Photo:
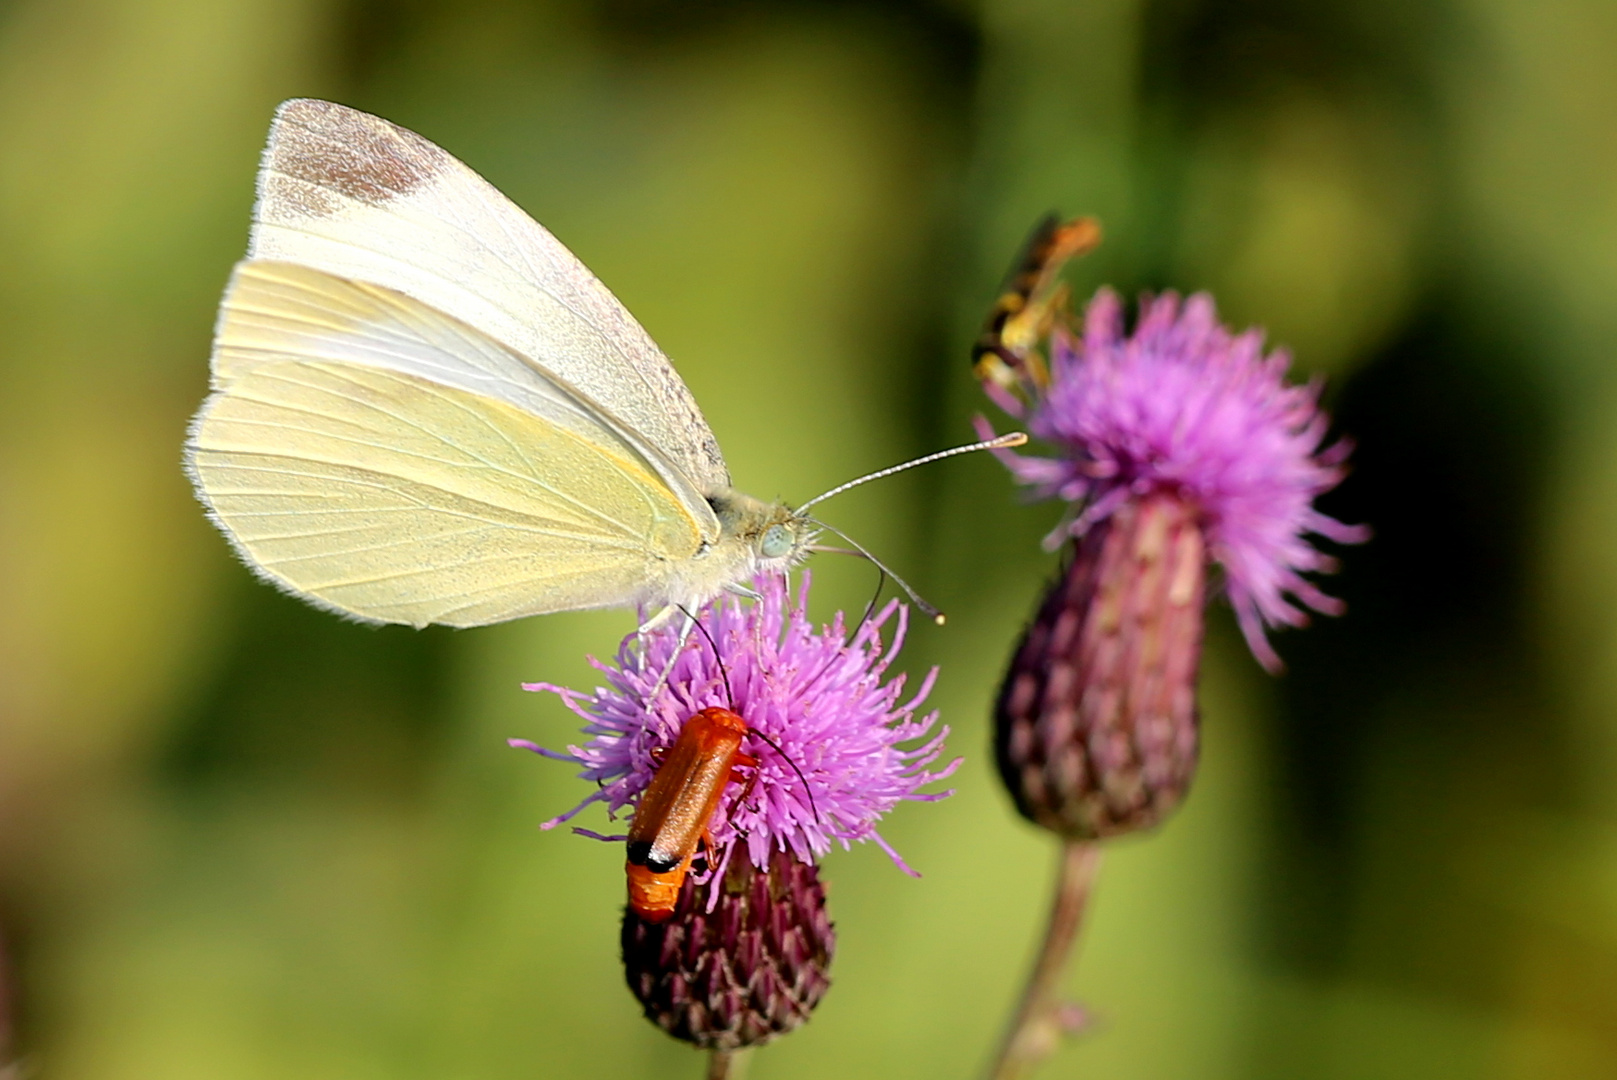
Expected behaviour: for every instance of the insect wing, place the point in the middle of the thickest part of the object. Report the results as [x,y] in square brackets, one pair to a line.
[367,452]
[680,801]
[356,196]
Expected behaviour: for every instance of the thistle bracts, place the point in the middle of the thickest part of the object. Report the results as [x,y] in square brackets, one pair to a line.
[738,968]
[1096,721]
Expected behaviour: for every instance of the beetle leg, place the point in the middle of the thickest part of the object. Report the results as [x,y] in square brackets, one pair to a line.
[744,760]
[747,784]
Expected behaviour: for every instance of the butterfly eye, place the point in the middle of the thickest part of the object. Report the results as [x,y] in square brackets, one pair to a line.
[776,542]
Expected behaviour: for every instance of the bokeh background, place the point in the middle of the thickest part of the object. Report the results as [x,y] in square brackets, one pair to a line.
[241,839]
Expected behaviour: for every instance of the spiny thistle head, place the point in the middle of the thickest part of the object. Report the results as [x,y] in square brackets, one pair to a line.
[1183,406]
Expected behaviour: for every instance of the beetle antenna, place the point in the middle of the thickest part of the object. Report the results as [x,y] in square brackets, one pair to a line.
[729,697]
[870,608]
[1014,438]
[808,789]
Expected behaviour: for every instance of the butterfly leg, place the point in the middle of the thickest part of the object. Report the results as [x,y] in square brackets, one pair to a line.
[684,635]
[662,615]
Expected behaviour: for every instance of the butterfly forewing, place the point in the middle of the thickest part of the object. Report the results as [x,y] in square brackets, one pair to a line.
[275,310]
[356,196]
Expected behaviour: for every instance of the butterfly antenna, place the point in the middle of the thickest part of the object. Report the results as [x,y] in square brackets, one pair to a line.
[729,697]
[808,789]
[870,608]
[930,611]
[1014,438]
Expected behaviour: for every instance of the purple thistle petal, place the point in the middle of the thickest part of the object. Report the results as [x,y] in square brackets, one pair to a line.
[898,860]
[562,819]
[524,744]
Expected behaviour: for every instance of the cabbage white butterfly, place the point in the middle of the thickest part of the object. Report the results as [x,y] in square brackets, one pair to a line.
[425,409]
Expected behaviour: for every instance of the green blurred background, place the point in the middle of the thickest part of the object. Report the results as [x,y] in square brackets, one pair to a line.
[241,839]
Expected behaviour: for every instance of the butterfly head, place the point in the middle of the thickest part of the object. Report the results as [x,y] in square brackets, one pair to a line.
[785,538]
[771,536]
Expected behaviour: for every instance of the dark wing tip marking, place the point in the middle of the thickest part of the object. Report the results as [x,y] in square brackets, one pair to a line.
[352,153]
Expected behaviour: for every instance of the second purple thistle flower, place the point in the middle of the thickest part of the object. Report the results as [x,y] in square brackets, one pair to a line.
[1177,445]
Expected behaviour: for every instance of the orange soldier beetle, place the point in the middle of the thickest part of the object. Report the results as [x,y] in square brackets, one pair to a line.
[684,794]
[1028,305]
[677,806]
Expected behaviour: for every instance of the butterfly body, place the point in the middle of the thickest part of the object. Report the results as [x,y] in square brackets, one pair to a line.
[426,410]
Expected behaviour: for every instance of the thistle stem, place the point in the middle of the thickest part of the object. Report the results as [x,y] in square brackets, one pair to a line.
[8,1068]
[728,1064]
[1043,1018]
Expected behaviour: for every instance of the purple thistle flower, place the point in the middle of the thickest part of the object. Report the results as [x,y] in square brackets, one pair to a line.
[838,762]
[1183,407]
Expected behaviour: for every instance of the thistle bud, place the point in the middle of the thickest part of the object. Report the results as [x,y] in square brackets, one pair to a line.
[1096,722]
[738,968]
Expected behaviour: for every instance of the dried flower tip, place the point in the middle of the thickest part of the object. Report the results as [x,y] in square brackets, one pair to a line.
[743,959]
[1096,723]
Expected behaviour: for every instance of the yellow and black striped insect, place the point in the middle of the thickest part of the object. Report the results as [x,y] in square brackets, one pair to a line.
[1006,352]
